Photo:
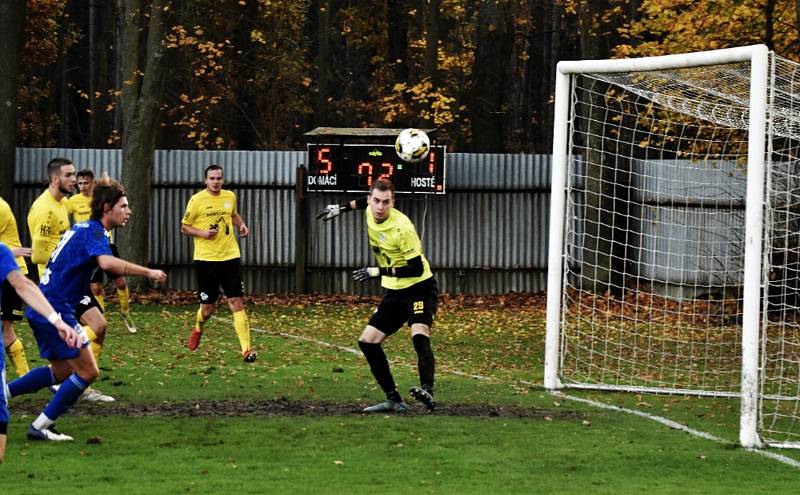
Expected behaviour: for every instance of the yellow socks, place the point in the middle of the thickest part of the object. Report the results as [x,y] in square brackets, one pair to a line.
[124,300]
[93,345]
[242,327]
[16,354]
[199,321]
[100,298]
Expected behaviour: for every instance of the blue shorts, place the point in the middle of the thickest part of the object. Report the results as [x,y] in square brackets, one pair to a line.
[51,345]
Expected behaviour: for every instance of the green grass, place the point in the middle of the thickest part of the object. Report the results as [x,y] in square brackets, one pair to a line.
[569,448]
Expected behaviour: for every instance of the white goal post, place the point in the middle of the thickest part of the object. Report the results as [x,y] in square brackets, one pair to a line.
[672,265]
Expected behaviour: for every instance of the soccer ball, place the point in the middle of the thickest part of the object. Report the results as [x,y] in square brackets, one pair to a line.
[412,145]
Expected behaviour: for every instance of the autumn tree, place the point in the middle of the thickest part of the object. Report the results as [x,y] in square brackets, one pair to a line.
[493,42]
[666,27]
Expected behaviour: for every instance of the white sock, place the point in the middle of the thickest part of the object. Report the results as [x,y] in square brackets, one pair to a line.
[43,422]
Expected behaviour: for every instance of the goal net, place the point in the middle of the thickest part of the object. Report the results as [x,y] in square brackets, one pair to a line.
[675,232]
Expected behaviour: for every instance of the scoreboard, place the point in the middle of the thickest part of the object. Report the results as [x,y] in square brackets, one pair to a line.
[345,167]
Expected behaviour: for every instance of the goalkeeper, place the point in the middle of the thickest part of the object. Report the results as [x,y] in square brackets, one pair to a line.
[411,293]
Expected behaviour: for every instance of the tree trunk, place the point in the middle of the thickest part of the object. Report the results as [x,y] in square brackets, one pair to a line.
[493,44]
[143,73]
[397,30]
[432,42]
[246,115]
[12,24]
[323,63]
[607,192]
[769,21]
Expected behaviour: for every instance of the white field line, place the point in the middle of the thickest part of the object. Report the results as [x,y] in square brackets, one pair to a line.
[658,419]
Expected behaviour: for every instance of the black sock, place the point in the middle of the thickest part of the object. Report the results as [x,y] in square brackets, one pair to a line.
[426,362]
[380,369]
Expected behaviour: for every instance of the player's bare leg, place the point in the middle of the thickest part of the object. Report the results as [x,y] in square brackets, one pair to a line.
[95,325]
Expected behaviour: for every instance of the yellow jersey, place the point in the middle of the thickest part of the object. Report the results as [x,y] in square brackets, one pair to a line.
[205,211]
[9,235]
[80,207]
[395,241]
[48,219]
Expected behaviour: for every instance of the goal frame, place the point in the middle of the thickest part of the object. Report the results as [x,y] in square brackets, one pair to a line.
[758,56]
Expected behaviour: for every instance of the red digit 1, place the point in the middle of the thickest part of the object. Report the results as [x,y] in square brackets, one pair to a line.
[432,162]
[366,167]
[388,170]
[322,158]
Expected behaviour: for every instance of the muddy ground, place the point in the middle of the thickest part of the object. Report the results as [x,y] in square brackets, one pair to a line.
[216,408]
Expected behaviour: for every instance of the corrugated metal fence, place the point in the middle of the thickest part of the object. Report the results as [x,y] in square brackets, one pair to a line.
[487,235]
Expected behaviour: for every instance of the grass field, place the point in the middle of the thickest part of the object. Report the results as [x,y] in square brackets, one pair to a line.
[205,422]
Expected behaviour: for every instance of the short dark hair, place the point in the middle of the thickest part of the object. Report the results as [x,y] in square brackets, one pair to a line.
[107,191]
[54,166]
[211,167]
[382,185]
[85,173]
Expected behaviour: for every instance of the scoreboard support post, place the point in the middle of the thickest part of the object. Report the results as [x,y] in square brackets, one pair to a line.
[301,232]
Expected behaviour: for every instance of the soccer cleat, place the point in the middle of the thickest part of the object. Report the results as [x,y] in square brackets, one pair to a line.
[387,406]
[249,356]
[54,388]
[424,396]
[126,319]
[94,395]
[50,433]
[194,339]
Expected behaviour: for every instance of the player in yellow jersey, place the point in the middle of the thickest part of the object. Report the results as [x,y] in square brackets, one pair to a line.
[48,219]
[11,303]
[211,218]
[411,297]
[80,206]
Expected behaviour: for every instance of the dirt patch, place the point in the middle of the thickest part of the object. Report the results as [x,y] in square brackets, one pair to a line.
[280,407]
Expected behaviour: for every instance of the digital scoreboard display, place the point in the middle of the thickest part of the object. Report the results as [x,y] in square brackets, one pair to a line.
[354,167]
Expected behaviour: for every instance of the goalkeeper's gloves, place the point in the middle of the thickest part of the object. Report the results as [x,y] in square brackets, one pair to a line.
[332,211]
[366,273]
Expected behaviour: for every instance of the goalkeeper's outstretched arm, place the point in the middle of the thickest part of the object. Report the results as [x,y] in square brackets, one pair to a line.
[333,211]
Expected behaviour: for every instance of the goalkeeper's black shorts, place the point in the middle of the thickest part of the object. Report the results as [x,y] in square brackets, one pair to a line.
[415,304]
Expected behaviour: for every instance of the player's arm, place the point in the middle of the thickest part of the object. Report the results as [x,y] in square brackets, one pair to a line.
[40,251]
[39,244]
[124,268]
[239,223]
[332,211]
[414,268]
[30,293]
[195,232]
[187,223]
